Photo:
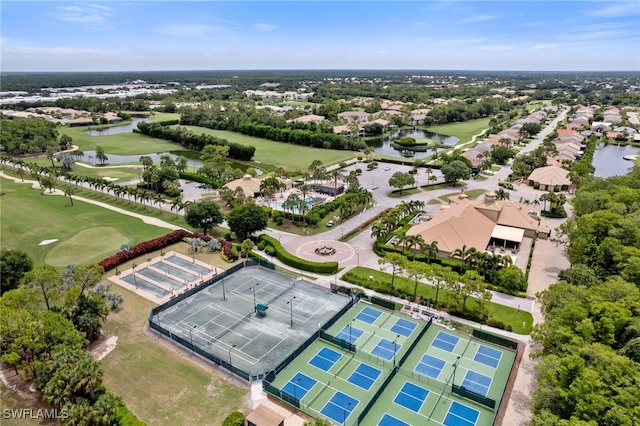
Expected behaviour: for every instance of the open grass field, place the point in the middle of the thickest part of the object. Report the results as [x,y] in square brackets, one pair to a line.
[85,233]
[521,321]
[464,130]
[158,382]
[454,196]
[281,154]
[121,144]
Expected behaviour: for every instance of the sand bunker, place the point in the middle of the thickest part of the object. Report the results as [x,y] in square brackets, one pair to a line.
[110,178]
[45,242]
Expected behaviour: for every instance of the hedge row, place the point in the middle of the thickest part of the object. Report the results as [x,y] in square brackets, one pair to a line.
[143,248]
[195,177]
[297,262]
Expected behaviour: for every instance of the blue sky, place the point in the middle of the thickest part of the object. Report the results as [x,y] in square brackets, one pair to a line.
[238,35]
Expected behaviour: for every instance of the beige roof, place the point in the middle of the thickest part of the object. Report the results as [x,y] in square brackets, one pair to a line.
[550,175]
[507,233]
[249,185]
[459,225]
[264,416]
[311,118]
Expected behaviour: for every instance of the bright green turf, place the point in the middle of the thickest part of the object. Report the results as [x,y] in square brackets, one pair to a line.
[463,130]
[29,217]
[282,154]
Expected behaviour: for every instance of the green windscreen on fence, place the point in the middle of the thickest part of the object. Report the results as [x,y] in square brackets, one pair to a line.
[465,393]
[389,304]
[495,339]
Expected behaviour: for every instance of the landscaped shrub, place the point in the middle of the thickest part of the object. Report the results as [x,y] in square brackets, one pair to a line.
[297,262]
[143,248]
[228,253]
[261,245]
[234,419]
[536,185]
[270,250]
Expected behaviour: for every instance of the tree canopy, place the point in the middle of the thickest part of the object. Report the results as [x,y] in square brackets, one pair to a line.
[246,219]
[203,214]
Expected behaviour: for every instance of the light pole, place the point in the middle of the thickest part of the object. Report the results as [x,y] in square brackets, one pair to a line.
[230,365]
[191,338]
[254,295]
[290,303]
[224,296]
[344,412]
[357,260]
[135,282]
[295,384]
[350,327]
[455,367]
[395,349]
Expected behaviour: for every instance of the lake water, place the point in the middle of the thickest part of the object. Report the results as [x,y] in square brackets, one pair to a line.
[608,161]
[125,128]
[383,145]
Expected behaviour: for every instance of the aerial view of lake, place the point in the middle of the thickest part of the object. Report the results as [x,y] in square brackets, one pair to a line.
[114,130]
[608,160]
[383,145]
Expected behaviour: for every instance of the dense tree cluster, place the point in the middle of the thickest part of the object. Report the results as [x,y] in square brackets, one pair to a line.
[47,324]
[590,341]
[27,136]
[195,142]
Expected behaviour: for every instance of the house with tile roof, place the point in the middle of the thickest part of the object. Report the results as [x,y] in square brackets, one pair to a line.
[549,177]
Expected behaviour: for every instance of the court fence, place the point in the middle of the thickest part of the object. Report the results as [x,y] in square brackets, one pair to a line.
[338,342]
[466,393]
[408,351]
[492,338]
[389,304]
[249,376]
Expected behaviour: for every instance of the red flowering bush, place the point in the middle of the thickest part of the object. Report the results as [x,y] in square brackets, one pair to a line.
[144,248]
[228,253]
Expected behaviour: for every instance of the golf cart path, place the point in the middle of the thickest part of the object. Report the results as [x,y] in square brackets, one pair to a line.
[146,219]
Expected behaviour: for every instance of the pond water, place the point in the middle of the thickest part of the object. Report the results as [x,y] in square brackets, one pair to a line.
[193,159]
[608,161]
[125,128]
[383,145]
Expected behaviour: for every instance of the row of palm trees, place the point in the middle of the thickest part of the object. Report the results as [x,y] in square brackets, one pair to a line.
[96,184]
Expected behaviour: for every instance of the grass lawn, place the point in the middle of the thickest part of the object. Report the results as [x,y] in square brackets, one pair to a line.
[165,116]
[121,144]
[472,194]
[463,130]
[404,193]
[286,155]
[158,381]
[85,233]
[520,321]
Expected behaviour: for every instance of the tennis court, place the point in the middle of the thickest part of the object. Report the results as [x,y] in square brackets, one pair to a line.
[223,319]
[488,356]
[430,366]
[299,385]
[164,276]
[419,392]
[461,415]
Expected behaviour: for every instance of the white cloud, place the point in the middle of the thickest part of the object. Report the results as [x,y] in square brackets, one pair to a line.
[481,18]
[497,47]
[544,46]
[192,30]
[84,14]
[260,26]
[616,10]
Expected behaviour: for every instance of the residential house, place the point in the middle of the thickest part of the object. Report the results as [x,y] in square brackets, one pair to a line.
[550,177]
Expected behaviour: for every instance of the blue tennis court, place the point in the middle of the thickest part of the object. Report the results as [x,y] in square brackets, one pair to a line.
[368,315]
[389,420]
[339,407]
[430,366]
[477,383]
[298,386]
[488,356]
[364,376]
[445,341]
[411,397]
[386,349]
[404,327]
[325,359]
[349,334]
[461,415]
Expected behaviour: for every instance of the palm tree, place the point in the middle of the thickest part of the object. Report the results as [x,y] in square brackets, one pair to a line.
[379,230]
[414,243]
[501,194]
[69,191]
[431,250]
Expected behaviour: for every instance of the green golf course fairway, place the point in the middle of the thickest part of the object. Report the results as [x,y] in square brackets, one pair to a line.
[86,233]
